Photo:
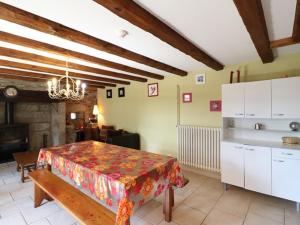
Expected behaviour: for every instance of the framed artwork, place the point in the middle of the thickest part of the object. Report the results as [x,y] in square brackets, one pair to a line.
[187,97]
[109,93]
[153,90]
[200,78]
[121,92]
[215,105]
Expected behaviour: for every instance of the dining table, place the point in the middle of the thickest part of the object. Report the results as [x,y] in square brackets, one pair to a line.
[120,178]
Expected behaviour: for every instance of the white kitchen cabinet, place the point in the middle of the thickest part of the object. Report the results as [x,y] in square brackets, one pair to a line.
[285,174]
[232,164]
[258,169]
[285,98]
[233,102]
[258,99]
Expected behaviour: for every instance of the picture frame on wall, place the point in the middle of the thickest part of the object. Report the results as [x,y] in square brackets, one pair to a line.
[153,90]
[215,105]
[200,79]
[109,93]
[121,92]
[187,97]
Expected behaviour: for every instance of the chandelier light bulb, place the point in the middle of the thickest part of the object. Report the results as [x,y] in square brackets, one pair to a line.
[83,86]
[78,82]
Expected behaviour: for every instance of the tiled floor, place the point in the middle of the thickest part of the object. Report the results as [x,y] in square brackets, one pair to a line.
[202,201]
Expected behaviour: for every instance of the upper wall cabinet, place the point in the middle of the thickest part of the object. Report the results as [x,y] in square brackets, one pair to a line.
[258,99]
[233,102]
[285,98]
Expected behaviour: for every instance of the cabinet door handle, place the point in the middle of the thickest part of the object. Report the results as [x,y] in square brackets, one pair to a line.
[239,114]
[284,153]
[238,147]
[251,114]
[280,161]
[278,114]
[250,149]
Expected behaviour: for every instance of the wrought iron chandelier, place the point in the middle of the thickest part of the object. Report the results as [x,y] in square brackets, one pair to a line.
[66,88]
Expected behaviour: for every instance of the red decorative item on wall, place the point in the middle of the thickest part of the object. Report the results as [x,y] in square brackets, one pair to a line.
[187,97]
[215,106]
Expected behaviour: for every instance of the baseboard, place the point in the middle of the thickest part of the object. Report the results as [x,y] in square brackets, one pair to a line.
[215,175]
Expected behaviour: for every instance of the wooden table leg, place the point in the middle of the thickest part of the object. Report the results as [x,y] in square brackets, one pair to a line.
[18,167]
[22,174]
[49,167]
[167,205]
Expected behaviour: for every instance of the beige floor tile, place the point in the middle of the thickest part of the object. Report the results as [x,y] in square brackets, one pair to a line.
[292,217]
[148,207]
[15,219]
[263,209]
[155,216]
[166,223]
[253,219]
[217,217]
[61,217]
[201,202]
[234,203]
[185,215]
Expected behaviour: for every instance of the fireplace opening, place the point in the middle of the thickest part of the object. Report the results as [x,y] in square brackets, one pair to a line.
[14,137]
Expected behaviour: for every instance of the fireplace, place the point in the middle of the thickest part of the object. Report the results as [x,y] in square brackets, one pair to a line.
[14,137]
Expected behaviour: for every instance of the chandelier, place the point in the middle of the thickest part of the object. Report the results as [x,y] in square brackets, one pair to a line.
[66,88]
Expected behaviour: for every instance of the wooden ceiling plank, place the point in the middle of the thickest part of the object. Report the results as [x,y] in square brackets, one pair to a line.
[25,78]
[30,43]
[27,19]
[137,15]
[253,17]
[296,28]
[283,42]
[8,73]
[55,62]
[36,75]
[26,66]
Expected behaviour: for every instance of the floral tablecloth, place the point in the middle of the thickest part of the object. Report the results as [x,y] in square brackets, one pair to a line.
[119,177]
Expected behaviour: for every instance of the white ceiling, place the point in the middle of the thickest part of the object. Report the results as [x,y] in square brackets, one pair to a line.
[213,25]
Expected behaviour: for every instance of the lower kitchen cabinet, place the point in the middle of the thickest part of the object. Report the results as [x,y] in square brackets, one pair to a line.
[286,174]
[257,169]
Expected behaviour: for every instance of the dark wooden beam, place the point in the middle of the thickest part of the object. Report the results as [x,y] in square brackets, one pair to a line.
[296,29]
[55,62]
[253,17]
[90,88]
[283,42]
[29,43]
[40,76]
[27,19]
[31,67]
[29,96]
[137,15]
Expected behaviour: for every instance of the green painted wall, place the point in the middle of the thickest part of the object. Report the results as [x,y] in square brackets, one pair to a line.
[155,118]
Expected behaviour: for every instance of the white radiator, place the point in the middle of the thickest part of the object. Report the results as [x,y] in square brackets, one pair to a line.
[199,147]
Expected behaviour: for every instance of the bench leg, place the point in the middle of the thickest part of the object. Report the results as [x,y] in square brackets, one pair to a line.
[39,196]
[49,168]
[167,205]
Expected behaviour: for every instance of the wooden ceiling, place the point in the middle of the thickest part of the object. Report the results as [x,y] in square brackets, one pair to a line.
[113,73]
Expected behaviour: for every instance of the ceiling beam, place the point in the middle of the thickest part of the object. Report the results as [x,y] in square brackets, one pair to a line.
[137,15]
[41,46]
[26,66]
[27,19]
[283,42]
[55,62]
[296,29]
[24,78]
[253,17]
[33,75]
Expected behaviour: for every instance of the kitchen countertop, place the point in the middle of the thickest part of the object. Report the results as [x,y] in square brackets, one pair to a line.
[271,144]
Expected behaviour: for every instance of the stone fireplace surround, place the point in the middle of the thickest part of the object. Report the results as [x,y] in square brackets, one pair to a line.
[43,118]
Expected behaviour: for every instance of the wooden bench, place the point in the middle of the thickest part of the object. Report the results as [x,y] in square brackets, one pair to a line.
[83,208]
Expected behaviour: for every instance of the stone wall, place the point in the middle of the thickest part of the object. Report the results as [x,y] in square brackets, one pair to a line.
[43,118]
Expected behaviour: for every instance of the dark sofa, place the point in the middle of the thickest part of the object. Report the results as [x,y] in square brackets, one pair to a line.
[115,137]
